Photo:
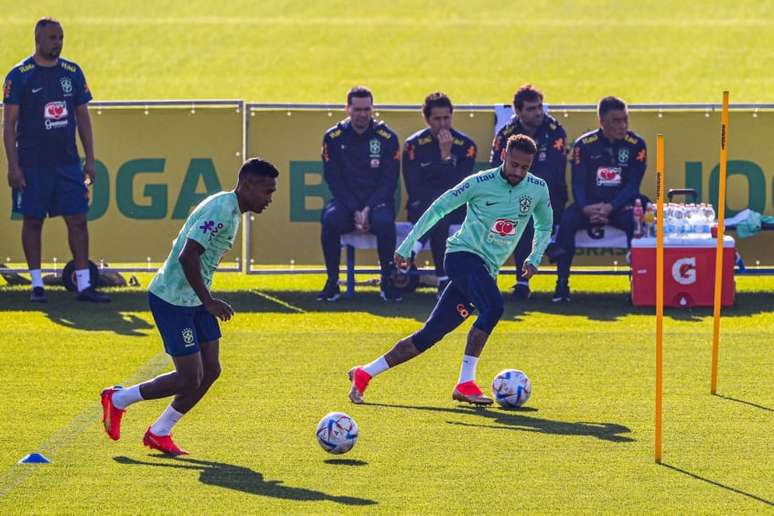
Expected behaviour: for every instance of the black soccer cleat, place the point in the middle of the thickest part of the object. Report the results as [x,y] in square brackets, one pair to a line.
[388,290]
[562,292]
[330,291]
[521,291]
[91,295]
[38,295]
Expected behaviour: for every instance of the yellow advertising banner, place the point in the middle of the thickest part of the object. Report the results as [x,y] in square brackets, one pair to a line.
[291,138]
[154,165]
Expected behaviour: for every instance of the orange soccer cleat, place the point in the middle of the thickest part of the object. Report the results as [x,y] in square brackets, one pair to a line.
[469,392]
[111,416]
[359,379]
[162,443]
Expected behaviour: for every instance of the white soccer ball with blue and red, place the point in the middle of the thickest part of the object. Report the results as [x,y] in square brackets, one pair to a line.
[511,388]
[337,432]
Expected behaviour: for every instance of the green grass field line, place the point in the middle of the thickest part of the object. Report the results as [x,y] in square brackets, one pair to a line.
[583,443]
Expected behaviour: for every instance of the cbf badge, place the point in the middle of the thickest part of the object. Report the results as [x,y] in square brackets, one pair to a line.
[623,155]
[375,148]
[67,85]
[525,202]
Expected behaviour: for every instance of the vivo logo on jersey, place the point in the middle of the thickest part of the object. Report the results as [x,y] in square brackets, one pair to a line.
[608,176]
[458,191]
[504,227]
[55,114]
[684,270]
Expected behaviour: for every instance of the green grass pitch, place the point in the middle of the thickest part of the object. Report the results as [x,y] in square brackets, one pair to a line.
[583,443]
[477,51]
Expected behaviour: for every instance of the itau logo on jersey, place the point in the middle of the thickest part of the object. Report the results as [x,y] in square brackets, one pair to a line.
[504,227]
[55,114]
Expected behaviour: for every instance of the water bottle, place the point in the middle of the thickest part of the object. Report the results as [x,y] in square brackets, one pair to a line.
[649,219]
[679,214]
[638,219]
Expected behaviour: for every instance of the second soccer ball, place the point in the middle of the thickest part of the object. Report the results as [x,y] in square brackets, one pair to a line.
[511,388]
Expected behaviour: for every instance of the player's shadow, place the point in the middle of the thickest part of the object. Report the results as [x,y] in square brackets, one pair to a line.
[718,484]
[240,478]
[518,420]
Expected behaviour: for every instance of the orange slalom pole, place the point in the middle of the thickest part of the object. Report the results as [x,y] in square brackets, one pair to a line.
[659,288]
[719,249]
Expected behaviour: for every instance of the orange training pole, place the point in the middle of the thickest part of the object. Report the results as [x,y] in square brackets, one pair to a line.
[719,252]
[659,287]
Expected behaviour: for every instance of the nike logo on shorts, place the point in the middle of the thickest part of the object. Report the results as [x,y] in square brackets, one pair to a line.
[35,90]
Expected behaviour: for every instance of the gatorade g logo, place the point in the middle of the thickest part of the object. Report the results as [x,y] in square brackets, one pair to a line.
[684,270]
[504,227]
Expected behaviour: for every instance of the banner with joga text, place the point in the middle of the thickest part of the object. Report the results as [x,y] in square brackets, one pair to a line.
[291,138]
[154,165]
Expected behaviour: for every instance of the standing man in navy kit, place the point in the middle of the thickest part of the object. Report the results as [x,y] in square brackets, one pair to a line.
[607,169]
[434,160]
[361,163]
[550,164]
[45,98]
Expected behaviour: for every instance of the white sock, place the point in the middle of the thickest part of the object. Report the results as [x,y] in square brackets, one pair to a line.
[122,398]
[378,366]
[468,369]
[83,277]
[165,422]
[37,278]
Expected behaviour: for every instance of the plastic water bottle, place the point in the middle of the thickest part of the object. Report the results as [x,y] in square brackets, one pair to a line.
[669,220]
[679,215]
[638,219]
[650,219]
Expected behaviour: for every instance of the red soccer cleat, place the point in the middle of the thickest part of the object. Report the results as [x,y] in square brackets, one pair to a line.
[162,443]
[469,392]
[359,379]
[111,416]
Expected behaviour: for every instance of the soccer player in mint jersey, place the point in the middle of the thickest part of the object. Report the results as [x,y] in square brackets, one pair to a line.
[499,202]
[185,311]
[45,99]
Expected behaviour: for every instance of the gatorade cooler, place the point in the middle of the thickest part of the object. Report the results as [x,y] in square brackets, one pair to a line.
[689,271]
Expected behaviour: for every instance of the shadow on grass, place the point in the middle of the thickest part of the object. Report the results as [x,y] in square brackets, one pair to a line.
[518,420]
[118,317]
[749,403]
[718,484]
[240,478]
[346,462]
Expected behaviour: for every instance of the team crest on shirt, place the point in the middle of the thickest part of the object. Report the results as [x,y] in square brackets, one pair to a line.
[525,203]
[623,155]
[67,85]
[374,147]
[188,336]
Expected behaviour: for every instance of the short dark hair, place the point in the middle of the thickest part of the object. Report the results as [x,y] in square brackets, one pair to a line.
[521,142]
[360,92]
[608,104]
[257,167]
[437,99]
[44,22]
[526,93]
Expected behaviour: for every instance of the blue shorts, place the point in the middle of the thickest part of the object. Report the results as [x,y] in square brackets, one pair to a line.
[182,328]
[471,287]
[51,191]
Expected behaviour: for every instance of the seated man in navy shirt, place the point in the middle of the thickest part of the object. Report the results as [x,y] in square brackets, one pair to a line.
[607,169]
[434,160]
[45,97]
[361,163]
